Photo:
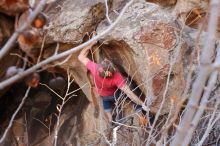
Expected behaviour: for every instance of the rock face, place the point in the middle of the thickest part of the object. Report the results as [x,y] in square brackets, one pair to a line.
[164,3]
[141,47]
[148,47]
[152,35]
[71,20]
[12,7]
[6,28]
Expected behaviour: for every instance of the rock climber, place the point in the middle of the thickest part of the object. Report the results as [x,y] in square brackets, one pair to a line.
[107,81]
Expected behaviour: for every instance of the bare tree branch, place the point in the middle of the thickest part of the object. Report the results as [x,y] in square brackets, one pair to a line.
[60,107]
[106,13]
[114,137]
[204,101]
[14,115]
[173,61]
[201,79]
[200,111]
[211,123]
[13,79]
[13,38]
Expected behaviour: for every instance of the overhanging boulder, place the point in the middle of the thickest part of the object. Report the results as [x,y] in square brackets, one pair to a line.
[153,37]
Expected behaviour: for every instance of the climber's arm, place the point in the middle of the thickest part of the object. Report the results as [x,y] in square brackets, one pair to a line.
[84,53]
[131,95]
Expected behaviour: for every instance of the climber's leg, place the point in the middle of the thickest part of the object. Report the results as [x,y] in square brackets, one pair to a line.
[108,102]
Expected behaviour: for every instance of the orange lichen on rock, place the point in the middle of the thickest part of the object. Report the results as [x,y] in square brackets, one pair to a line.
[173,99]
[143,121]
[154,59]
[158,34]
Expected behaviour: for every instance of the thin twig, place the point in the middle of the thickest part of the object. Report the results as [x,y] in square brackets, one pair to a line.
[14,115]
[51,90]
[41,50]
[26,128]
[106,12]
[114,137]
[211,123]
